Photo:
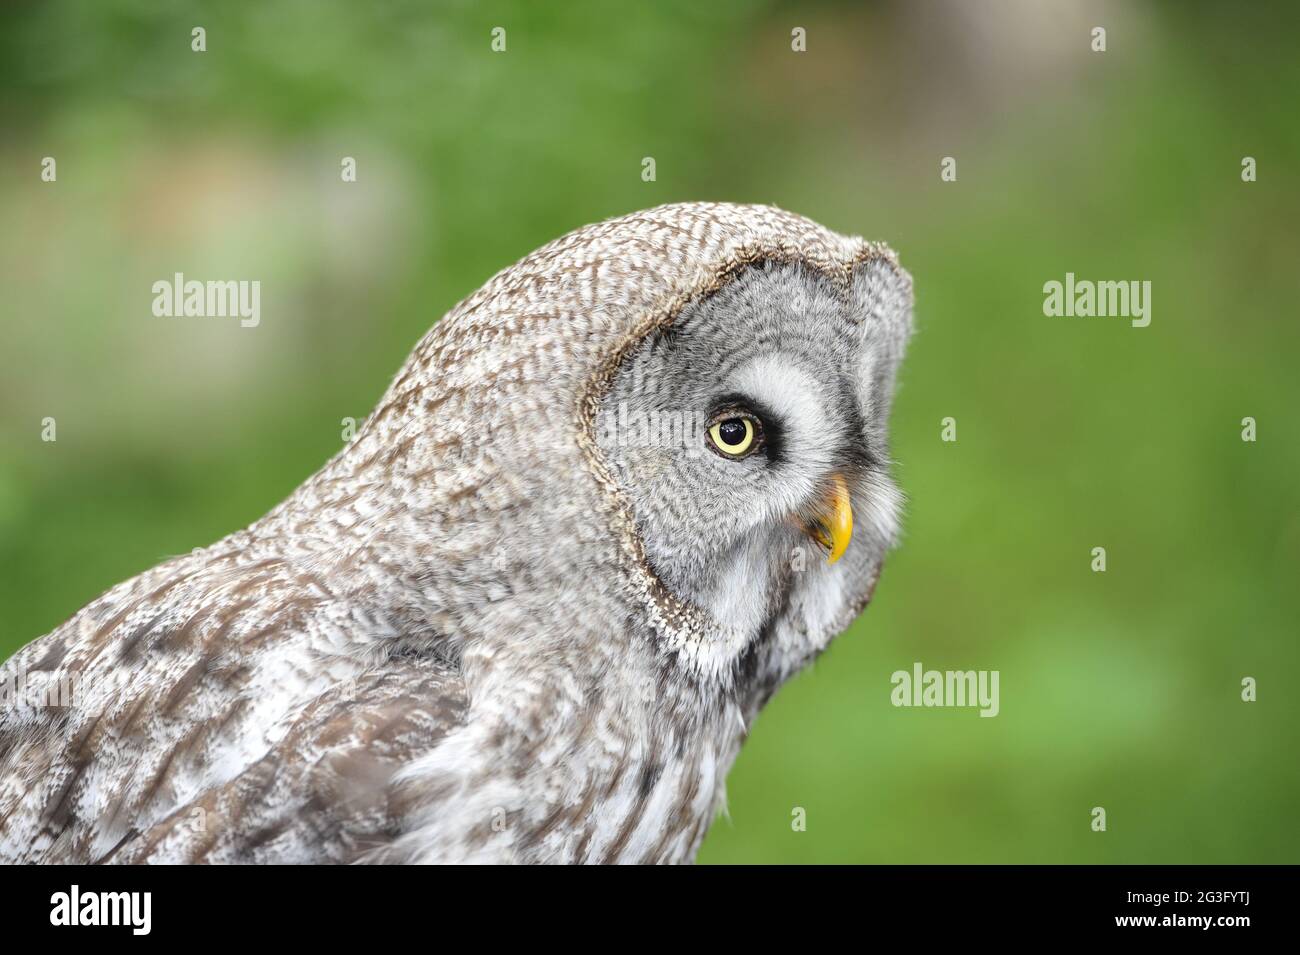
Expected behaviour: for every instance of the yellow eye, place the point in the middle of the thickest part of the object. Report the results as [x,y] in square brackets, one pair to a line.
[734,437]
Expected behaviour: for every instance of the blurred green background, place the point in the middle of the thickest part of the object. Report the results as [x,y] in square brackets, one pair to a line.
[1118,689]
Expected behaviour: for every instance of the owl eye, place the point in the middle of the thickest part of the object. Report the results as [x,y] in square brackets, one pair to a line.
[736,435]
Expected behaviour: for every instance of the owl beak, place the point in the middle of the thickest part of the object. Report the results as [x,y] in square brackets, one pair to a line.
[832,521]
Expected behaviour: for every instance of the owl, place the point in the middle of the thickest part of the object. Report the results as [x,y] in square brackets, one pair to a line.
[609,505]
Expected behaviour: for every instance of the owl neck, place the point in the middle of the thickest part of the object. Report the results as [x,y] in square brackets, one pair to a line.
[593,749]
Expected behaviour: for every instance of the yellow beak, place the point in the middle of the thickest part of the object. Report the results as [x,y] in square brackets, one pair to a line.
[832,523]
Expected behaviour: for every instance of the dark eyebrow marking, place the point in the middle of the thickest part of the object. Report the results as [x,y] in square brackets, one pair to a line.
[859,455]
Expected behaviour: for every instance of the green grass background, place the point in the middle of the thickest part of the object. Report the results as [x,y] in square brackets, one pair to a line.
[1119,690]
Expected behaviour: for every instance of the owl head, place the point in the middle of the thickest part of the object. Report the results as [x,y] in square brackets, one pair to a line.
[656,442]
[748,438]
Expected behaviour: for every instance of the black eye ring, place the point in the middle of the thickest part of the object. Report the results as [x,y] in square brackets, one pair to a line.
[735,434]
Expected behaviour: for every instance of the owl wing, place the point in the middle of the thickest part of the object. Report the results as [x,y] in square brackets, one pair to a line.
[194,716]
[327,791]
